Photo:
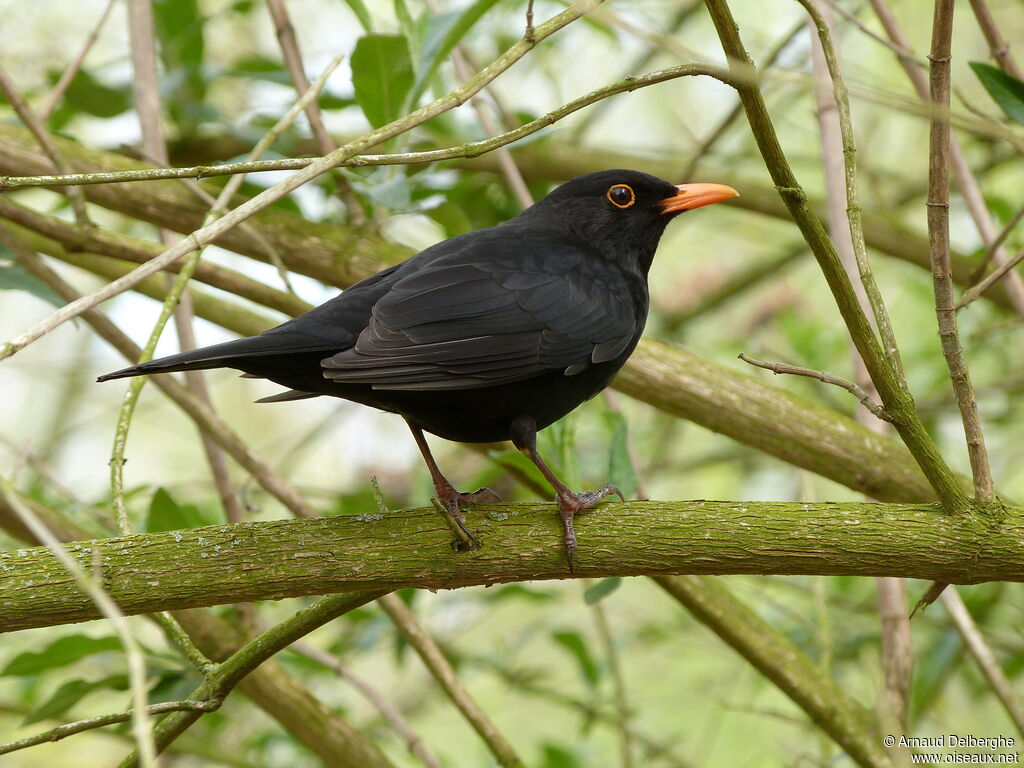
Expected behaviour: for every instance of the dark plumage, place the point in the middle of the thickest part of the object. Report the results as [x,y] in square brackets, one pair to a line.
[488,336]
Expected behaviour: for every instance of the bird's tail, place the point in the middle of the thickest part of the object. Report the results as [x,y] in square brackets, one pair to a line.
[215,356]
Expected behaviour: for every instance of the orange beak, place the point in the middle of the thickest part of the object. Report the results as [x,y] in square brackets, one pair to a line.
[689,196]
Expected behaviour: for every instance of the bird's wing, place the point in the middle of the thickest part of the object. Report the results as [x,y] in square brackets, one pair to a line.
[463,324]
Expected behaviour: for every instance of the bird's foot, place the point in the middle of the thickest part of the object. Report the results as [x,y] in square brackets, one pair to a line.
[570,503]
[452,501]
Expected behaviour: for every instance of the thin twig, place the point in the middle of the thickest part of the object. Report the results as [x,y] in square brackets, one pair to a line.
[896,651]
[325,144]
[853,208]
[831,130]
[720,130]
[982,653]
[228,674]
[938,240]
[990,252]
[69,74]
[35,125]
[449,681]
[92,586]
[1000,48]
[827,378]
[89,723]
[468,150]
[975,292]
[395,718]
[264,144]
[206,234]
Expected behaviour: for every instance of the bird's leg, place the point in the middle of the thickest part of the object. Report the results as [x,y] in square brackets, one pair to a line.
[450,498]
[524,437]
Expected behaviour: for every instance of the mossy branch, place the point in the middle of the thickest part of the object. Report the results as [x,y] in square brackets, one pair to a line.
[522,542]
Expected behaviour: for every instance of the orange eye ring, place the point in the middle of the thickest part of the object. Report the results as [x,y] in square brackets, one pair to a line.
[621,196]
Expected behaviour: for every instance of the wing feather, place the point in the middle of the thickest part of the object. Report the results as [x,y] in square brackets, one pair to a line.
[457,325]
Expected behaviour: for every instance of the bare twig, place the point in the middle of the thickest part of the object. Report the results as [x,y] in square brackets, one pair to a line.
[91,585]
[69,74]
[35,125]
[990,252]
[449,681]
[1000,48]
[325,144]
[640,62]
[897,651]
[720,130]
[984,657]
[827,378]
[853,209]
[395,718]
[975,292]
[229,673]
[938,238]
[468,150]
[89,723]
[831,130]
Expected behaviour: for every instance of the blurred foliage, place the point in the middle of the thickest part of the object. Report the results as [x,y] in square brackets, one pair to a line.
[529,653]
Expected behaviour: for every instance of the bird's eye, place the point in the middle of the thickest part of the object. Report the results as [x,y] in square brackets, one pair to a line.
[621,196]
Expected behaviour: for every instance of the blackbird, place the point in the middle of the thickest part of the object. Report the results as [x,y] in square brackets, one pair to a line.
[488,336]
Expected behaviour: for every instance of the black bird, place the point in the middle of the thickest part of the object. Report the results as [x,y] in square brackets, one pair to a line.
[491,335]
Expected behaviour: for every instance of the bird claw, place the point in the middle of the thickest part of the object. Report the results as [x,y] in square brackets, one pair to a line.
[570,503]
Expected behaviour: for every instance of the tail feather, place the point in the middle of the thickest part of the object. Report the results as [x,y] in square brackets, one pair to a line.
[214,356]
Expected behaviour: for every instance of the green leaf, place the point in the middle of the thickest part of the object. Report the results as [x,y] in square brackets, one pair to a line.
[452,217]
[13,277]
[261,68]
[556,756]
[87,94]
[444,32]
[59,653]
[620,467]
[573,642]
[381,76]
[69,694]
[1006,90]
[359,9]
[510,591]
[166,514]
[601,590]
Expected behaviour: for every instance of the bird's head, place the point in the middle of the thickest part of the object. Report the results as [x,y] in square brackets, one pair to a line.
[622,213]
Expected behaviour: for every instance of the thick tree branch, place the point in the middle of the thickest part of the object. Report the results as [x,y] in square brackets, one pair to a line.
[412,548]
